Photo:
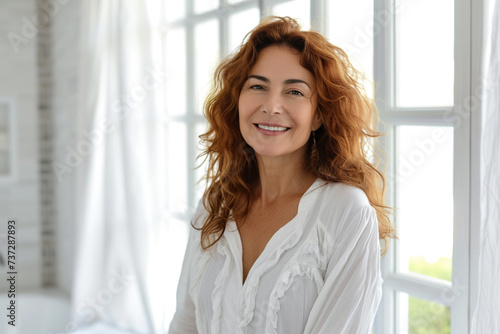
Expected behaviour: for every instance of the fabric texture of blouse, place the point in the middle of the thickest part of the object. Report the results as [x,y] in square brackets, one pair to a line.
[319,273]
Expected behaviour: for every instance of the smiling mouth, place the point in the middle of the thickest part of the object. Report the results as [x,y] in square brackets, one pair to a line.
[271,128]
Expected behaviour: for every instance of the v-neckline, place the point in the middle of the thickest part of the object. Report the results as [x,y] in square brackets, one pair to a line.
[277,238]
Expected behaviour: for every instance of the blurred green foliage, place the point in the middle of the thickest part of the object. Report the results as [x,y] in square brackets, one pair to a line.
[426,317]
[440,269]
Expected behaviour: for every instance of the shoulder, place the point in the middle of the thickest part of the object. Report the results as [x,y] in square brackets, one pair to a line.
[344,197]
[340,205]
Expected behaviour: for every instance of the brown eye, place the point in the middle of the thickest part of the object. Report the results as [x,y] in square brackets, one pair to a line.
[296,92]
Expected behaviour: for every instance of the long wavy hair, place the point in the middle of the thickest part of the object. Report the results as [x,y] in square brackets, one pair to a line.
[343,142]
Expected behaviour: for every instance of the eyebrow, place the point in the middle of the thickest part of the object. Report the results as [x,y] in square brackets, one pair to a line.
[287,82]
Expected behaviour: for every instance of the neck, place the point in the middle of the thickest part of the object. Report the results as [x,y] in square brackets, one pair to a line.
[282,177]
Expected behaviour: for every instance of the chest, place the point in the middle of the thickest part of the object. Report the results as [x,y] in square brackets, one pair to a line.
[259,227]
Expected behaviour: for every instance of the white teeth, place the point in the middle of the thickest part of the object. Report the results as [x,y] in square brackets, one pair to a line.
[271,128]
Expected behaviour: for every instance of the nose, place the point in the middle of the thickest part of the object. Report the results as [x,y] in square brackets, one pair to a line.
[273,103]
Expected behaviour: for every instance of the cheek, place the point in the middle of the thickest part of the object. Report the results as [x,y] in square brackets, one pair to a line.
[241,105]
[244,108]
[242,115]
[240,110]
[304,117]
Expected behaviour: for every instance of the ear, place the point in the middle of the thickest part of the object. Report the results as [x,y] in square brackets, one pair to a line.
[316,123]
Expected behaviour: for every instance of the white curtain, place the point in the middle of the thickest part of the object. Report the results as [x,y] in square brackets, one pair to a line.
[486,318]
[120,167]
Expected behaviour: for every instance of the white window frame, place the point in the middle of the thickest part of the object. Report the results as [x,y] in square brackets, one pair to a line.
[460,294]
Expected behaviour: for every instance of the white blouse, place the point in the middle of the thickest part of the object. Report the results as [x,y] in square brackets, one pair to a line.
[319,273]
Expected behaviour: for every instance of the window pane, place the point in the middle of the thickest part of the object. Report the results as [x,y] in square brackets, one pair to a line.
[175,63]
[240,24]
[424,200]
[202,6]
[297,9]
[350,26]
[419,316]
[424,53]
[206,42]
[175,10]
[177,167]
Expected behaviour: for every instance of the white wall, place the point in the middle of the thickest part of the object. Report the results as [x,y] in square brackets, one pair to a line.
[19,199]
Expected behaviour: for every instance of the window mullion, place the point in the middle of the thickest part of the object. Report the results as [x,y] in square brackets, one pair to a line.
[478,17]
[318,18]
[265,8]
[422,288]
[223,31]
[384,322]
[461,182]
[428,116]
[191,105]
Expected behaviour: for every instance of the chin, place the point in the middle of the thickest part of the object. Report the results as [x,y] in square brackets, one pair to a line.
[266,150]
[277,152]
[268,153]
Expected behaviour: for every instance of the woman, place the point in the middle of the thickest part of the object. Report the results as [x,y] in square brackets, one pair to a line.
[286,238]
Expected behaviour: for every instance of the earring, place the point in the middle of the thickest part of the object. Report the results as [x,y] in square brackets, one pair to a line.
[314,139]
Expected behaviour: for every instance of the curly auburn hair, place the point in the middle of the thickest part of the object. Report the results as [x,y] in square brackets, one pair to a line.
[342,142]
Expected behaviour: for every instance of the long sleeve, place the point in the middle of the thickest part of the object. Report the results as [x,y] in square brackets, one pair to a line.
[184,320]
[350,296]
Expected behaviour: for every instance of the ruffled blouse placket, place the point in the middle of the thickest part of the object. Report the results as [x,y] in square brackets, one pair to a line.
[284,239]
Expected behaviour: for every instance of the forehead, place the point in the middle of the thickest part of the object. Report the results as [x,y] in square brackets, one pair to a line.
[281,62]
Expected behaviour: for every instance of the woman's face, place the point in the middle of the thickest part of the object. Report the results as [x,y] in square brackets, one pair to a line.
[277,105]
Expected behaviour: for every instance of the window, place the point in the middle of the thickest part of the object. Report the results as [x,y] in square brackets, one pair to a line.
[422,80]
[423,76]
